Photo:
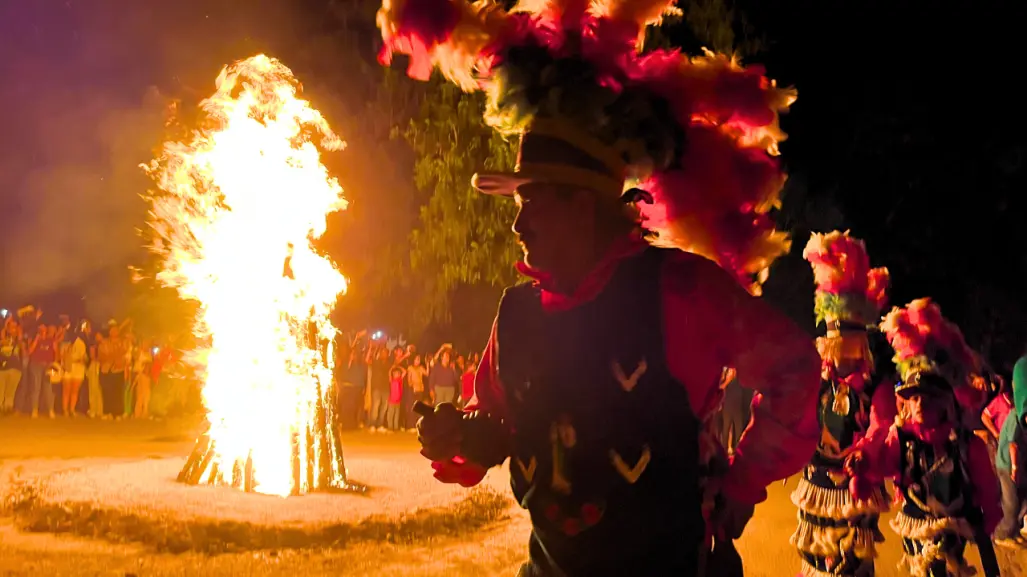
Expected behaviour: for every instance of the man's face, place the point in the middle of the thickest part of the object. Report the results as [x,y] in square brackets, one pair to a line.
[552,224]
[925,410]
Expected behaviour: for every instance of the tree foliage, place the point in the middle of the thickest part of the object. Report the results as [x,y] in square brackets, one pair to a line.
[463,237]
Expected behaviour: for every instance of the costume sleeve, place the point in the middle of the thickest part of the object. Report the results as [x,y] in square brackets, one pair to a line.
[488,391]
[489,397]
[880,461]
[881,458]
[987,492]
[883,411]
[771,355]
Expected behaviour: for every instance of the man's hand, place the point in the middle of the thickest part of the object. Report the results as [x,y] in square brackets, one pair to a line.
[440,432]
[853,462]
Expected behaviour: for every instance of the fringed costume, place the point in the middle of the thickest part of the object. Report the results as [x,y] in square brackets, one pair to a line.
[602,391]
[836,535]
[946,486]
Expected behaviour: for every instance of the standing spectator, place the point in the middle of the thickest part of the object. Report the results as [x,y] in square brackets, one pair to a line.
[380,363]
[131,351]
[1010,459]
[113,352]
[356,375]
[141,379]
[10,363]
[443,379]
[93,371]
[395,397]
[352,377]
[416,374]
[42,357]
[74,355]
[159,394]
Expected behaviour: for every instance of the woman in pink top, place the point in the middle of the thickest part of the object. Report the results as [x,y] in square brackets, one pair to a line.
[995,413]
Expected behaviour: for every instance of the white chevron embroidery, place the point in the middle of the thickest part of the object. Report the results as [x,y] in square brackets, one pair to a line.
[633,473]
[529,471]
[629,383]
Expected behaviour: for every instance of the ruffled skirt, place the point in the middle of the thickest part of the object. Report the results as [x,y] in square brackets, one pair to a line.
[933,547]
[836,535]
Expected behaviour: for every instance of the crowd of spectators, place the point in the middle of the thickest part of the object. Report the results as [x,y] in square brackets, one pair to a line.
[50,367]
[378,381]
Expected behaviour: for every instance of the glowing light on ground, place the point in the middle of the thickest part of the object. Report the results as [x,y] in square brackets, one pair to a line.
[240,202]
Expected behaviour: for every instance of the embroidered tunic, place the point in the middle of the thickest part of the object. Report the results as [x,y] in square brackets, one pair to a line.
[836,535]
[605,444]
[936,503]
[938,475]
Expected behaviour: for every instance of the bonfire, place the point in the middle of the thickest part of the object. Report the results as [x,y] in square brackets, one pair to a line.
[237,206]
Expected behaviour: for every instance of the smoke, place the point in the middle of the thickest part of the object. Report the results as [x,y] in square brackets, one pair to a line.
[76,227]
[86,86]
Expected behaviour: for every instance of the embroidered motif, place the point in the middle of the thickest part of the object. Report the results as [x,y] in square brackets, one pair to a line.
[527,471]
[631,474]
[572,523]
[563,438]
[629,383]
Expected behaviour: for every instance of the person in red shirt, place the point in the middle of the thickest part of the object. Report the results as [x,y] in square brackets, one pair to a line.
[599,370]
[467,383]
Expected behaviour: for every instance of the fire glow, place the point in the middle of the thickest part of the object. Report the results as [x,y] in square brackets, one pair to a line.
[240,202]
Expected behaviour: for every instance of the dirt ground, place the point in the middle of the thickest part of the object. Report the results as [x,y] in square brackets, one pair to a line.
[32,449]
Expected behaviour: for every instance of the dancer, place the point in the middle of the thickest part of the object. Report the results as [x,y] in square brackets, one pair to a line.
[949,492]
[836,536]
[598,372]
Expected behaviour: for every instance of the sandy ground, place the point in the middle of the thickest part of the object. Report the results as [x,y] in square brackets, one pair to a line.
[84,458]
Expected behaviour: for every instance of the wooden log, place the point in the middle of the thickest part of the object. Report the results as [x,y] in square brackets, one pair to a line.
[311,454]
[324,458]
[340,459]
[194,459]
[296,470]
[324,446]
[197,473]
[249,483]
[237,475]
[215,472]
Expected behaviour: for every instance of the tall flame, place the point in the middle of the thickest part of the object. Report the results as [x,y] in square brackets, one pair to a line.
[239,205]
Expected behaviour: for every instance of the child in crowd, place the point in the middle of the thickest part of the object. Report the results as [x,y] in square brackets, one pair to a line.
[395,398]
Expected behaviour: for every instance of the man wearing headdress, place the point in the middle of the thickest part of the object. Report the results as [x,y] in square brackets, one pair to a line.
[836,535]
[599,370]
[942,472]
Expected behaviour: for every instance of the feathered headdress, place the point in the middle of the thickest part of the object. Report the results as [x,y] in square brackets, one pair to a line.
[848,290]
[697,136]
[930,352]
[849,295]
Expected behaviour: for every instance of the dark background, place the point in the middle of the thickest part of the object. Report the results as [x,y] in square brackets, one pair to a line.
[908,131]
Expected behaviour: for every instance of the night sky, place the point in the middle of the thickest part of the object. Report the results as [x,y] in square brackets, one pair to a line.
[906,131]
